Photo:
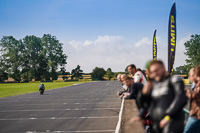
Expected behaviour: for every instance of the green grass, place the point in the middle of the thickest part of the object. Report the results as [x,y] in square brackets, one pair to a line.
[13,89]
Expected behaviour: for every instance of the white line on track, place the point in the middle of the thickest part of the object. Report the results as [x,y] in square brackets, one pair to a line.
[59,118]
[75,109]
[120,118]
[60,103]
[57,99]
[86,131]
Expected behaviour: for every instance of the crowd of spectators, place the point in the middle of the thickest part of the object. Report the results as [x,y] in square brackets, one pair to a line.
[161,97]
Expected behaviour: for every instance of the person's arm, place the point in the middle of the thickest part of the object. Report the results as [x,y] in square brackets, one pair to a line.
[134,89]
[142,112]
[130,94]
[143,103]
[144,99]
[180,98]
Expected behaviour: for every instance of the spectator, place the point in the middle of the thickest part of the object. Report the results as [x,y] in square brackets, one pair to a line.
[165,99]
[193,123]
[137,76]
[134,89]
[127,82]
[132,70]
[119,77]
[122,78]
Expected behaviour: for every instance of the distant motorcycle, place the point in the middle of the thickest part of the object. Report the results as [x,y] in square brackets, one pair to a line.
[41,88]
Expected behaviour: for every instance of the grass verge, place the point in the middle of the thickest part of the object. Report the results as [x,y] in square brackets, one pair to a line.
[12,89]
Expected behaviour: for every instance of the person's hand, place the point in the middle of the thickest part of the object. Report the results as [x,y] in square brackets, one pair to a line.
[121,96]
[163,122]
[147,87]
[134,119]
[127,94]
[188,94]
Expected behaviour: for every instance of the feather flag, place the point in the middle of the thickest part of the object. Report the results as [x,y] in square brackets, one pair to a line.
[154,46]
[172,39]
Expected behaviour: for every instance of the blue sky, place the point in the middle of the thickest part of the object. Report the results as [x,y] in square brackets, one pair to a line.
[103,33]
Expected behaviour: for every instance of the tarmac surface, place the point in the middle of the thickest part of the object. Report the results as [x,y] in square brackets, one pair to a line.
[89,108]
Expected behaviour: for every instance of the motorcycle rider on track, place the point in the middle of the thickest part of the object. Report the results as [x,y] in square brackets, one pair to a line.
[41,88]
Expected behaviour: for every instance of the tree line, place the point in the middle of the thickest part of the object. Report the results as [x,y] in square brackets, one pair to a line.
[97,73]
[40,58]
[31,58]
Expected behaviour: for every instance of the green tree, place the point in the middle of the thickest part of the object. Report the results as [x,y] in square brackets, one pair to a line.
[32,57]
[109,73]
[193,51]
[11,56]
[53,50]
[42,57]
[98,73]
[62,70]
[3,73]
[77,72]
[182,70]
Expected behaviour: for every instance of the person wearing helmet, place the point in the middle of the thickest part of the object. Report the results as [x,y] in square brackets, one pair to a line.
[41,88]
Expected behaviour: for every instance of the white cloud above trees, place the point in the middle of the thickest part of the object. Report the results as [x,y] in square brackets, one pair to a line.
[116,53]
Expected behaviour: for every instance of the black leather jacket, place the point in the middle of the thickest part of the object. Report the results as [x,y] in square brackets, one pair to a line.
[166,98]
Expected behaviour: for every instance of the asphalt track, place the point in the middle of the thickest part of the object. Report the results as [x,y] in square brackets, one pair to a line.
[88,108]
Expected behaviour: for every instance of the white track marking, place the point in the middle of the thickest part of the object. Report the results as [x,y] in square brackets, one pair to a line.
[86,131]
[46,104]
[60,109]
[57,99]
[59,118]
[120,118]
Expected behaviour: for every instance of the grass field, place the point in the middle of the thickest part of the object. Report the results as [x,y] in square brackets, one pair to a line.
[12,89]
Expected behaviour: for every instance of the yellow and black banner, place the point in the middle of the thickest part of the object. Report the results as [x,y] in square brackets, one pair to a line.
[172,39]
[154,46]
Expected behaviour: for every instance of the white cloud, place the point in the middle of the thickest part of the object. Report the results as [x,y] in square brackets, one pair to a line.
[108,39]
[101,40]
[180,44]
[76,44]
[115,52]
[88,42]
[180,49]
[143,41]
